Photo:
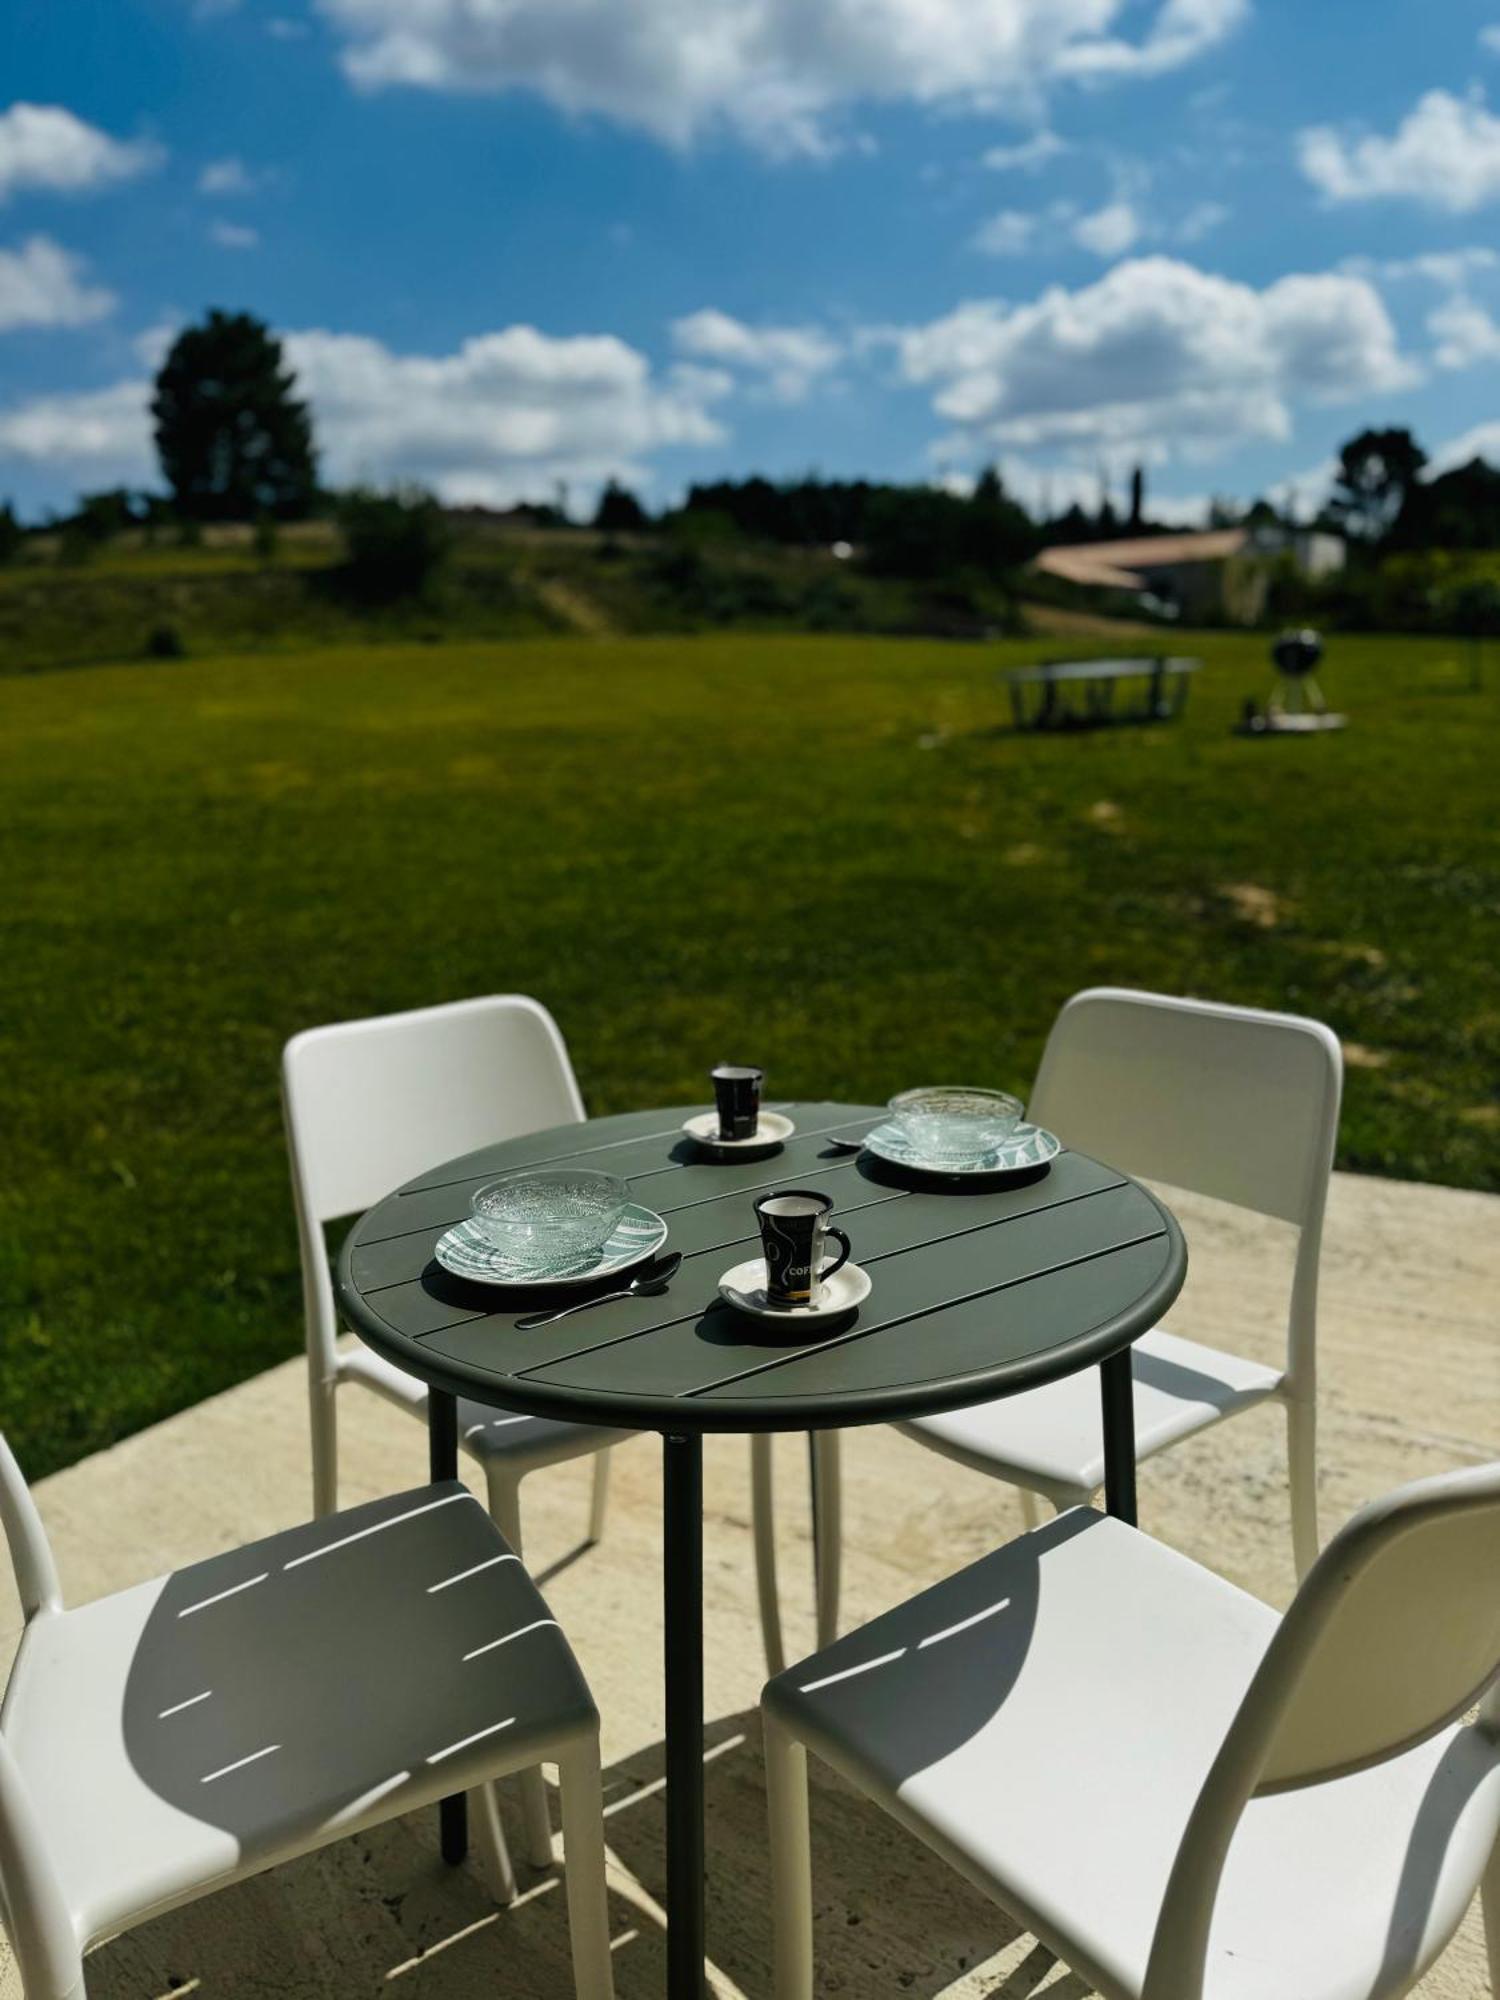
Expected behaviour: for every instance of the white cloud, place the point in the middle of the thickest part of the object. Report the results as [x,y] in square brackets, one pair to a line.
[1007,234]
[1303,494]
[44,146]
[41,285]
[1201,220]
[233,235]
[1489,38]
[227,176]
[501,418]
[1452,268]
[1465,334]
[282,28]
[1445,152]
[99,433]
[1481,442]
[775,71]
[1109,231]
[1028,156]
[789,359]
[1182,30]
[1155,357]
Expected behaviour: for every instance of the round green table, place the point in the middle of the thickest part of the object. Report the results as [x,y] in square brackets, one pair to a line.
[980,1288]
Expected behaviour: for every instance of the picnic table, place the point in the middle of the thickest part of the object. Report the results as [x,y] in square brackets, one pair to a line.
[1080,694]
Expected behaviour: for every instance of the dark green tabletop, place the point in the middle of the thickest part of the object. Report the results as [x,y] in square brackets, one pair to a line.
[978,1289]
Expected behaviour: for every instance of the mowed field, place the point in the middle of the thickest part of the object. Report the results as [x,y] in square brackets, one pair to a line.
[827,855]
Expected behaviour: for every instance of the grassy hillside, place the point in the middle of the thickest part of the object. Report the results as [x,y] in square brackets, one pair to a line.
[825,853]
[131,600]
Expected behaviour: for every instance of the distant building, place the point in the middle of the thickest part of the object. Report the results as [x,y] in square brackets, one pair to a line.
[1221,573]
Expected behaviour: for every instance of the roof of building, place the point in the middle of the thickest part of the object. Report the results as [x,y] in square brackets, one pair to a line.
[1118,565]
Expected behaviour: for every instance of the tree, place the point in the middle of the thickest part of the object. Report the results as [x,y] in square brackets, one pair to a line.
[1377,470]
[11,532]
[1137,496]
[233,440]
[619,512]
[396,543]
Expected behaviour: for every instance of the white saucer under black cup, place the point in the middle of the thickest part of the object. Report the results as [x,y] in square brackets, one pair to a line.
[745,1289]
[773,1129]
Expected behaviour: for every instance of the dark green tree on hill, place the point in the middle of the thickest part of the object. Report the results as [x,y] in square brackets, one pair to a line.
[235,442]
[619,512]
[1376,472]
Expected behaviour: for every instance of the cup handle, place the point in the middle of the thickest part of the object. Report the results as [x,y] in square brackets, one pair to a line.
[829,1269]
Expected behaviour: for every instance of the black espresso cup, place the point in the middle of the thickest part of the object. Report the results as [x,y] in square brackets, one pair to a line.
[794,1230]
[737,1093]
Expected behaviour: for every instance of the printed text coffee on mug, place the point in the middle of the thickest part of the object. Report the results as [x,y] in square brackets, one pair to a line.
[794,1231]
[737,1093]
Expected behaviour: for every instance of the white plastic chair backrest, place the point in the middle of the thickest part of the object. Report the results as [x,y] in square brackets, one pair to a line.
[370,1104]
[1394,1635]
[1229,1102]
[31,1898]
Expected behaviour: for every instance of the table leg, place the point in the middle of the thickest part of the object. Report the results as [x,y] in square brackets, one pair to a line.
[442,1463]
[682,1509]
[825,1488]
[1117,1388]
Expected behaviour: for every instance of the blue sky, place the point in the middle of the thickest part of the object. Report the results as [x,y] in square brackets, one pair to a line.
[513,243]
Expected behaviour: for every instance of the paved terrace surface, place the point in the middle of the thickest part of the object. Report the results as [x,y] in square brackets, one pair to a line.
[1411,1385]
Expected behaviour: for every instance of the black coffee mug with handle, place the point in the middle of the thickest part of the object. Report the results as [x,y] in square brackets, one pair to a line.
[794,1229]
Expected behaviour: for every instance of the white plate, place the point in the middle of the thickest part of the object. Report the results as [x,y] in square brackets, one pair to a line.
[638,1234]
[1028,1146]
[771,1131]
[745,1288]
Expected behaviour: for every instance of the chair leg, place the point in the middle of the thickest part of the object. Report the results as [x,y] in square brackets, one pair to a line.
[826,1468]
[600,1500]
[763,1520]
[583,1869]
[323,1412]
[1490,1892]
[791,1864]
[489,1838]
[1302,1476]
[536,1818]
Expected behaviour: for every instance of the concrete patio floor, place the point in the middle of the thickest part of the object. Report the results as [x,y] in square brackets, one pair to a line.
[1410,1341]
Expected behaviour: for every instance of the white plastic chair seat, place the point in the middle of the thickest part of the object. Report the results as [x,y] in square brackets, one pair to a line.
[524,1443]
[1045,1720]
[239,1712]
[1052,1439]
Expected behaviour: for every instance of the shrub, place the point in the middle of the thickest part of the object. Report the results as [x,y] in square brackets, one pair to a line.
[165,642]
[395,543]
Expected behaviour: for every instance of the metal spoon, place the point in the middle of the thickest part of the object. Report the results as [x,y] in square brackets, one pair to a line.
[843,1145]
[655,1279]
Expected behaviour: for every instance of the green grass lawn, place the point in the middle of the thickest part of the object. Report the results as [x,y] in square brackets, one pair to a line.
[825,855]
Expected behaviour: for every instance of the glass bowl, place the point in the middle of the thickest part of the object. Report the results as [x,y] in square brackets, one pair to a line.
[952,1121]
[550,1214]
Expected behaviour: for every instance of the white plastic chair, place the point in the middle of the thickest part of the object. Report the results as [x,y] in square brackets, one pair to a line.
[180,1735]
[1178,1793]
[1229,1102]
[370,1104]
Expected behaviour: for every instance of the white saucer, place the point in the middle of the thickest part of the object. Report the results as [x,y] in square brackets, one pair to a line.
[771,1131]
[745,1288]
[1028,1146]
[467,1253]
